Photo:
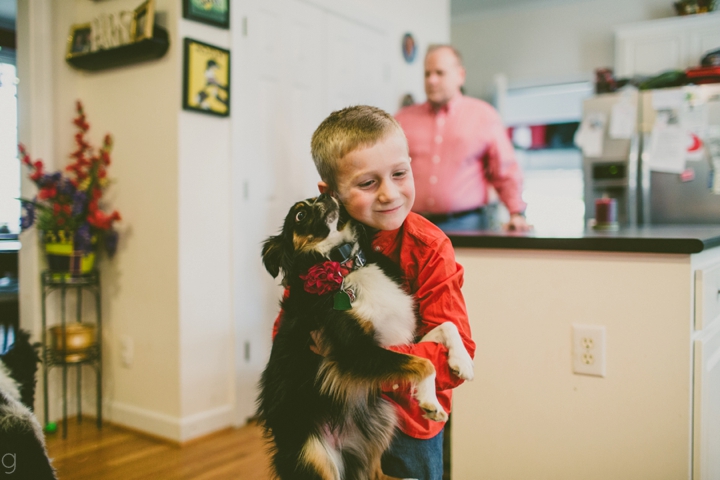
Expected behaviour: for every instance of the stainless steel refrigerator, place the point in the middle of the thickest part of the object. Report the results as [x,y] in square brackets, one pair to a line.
[658,154]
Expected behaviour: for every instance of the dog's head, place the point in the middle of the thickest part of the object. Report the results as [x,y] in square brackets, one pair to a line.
[312,228]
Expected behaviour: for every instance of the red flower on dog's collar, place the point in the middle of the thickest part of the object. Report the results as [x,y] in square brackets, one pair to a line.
[324,277]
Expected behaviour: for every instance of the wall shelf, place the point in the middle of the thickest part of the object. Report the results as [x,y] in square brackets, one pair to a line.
[140,51]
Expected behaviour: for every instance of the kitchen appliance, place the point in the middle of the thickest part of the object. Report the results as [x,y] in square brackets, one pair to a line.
[610,165]
[691,196]
[654,155]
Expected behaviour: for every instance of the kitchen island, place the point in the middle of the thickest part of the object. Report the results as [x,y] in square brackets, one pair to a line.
[656,412]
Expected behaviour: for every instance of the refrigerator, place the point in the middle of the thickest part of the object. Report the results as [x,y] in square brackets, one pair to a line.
[657,152]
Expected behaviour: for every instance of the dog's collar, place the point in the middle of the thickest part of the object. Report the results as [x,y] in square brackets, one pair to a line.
[344,256]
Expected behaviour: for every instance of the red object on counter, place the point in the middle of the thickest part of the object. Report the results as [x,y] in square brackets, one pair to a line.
[701,75]
[605,211]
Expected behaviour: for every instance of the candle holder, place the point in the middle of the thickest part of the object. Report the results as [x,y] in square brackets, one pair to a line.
[75,343]
[606,214]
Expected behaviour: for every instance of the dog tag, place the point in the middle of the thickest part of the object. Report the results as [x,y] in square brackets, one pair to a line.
[341,301]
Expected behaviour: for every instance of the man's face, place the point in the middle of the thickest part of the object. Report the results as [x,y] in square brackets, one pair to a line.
[375,184]
[443,76]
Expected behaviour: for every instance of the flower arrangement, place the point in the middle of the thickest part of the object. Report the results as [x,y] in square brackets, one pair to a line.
[67,205]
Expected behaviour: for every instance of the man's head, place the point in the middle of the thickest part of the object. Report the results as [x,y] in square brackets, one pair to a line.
[444,74]
[362,157]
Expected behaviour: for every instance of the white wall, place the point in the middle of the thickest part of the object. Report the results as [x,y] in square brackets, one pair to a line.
[544,41]
[139,106]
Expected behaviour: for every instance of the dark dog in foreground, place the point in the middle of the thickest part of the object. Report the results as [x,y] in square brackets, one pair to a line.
[324,413]
[22,444]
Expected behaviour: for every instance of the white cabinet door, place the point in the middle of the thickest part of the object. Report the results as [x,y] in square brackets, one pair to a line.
[706,416]
[649,48]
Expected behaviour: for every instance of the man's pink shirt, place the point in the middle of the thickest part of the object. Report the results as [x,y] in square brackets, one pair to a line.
[455,152]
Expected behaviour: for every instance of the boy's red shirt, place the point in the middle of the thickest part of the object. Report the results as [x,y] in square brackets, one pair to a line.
[434,278]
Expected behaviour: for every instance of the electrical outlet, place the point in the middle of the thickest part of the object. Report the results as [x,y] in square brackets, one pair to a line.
[588,349]
[127,351]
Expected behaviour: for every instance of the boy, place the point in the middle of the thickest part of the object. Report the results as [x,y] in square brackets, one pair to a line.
[362,157]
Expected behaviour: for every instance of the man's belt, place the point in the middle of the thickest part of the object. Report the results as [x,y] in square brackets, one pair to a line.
[444,217]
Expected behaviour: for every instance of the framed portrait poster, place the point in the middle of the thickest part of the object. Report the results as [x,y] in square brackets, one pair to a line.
[409,48]
[79,40]
[144,21]
[206,78]
[213,12]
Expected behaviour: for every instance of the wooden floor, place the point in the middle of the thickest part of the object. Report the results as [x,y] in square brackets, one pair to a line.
[116,453]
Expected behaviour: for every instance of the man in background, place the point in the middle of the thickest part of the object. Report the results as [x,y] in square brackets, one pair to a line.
[459,147]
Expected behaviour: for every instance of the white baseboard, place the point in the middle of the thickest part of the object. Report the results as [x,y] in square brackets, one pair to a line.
[167,426]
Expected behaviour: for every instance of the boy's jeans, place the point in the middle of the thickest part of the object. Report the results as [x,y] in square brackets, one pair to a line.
[410,457]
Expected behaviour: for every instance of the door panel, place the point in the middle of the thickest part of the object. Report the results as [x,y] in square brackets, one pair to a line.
[296,64]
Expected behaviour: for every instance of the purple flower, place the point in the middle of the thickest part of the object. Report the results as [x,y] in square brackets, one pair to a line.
[111,242]
[66,187]
[79,203]
[82,238]
[28,217]
[49,180]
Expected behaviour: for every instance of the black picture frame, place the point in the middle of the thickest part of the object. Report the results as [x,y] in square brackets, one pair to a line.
[206,78]
[79,41]
[198,11]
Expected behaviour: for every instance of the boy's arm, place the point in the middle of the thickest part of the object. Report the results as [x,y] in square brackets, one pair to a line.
[276,325]
[437,286]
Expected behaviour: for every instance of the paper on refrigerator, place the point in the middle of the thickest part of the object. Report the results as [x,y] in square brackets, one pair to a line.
[589,136]
[668,144]
[623,119]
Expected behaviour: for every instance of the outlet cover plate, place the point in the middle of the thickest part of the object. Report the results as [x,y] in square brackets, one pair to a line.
[588,349]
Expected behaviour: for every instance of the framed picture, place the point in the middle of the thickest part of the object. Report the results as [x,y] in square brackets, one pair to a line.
[206,78]
[79,40]
[409,48]
[213,12]
[144,20]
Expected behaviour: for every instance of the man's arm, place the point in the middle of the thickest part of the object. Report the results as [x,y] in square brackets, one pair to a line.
[503,172]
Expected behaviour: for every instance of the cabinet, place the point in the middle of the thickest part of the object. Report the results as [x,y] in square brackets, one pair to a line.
[656,413]
[63,284]
[649,48]
[706,421]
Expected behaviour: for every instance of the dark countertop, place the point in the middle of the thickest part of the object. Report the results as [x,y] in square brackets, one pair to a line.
[650,239]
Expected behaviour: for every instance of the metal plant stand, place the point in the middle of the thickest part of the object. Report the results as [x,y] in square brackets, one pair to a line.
[62,282]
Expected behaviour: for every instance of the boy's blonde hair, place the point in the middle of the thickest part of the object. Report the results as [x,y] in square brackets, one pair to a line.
[344,131]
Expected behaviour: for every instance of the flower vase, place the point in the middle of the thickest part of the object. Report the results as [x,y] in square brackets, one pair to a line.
[63,256]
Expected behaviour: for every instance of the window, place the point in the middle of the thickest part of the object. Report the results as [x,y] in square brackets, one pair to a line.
[9,162]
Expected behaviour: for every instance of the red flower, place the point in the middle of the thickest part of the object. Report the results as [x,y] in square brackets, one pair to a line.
[323,278]
[100,220]
[46,193]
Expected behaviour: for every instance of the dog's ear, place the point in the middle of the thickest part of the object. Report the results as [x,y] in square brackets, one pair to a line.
[272,255]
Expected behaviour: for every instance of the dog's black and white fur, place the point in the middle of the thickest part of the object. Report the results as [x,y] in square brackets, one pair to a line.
[324,413]
[22,443]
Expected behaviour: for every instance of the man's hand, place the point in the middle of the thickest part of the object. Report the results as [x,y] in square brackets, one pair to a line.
[517,223]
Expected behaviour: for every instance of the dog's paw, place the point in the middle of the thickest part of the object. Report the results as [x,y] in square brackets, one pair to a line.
[434,411]
[461,364]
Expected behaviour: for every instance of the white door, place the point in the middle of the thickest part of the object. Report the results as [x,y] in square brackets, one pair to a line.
[706,414]
[293,63]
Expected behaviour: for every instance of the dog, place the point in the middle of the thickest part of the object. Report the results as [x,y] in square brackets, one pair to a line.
[324,414]
[22,443]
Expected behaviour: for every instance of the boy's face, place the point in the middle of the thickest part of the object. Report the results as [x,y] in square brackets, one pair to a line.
[376,185]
